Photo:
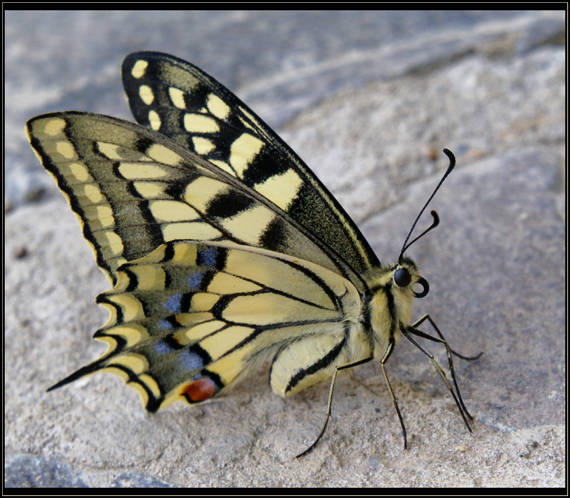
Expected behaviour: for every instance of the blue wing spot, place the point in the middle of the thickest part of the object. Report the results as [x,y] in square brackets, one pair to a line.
[174,303]
[190,360]
[164,324]
[208,256]
[195,280]
[161,347]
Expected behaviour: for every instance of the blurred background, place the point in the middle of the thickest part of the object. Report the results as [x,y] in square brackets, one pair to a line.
[279,63]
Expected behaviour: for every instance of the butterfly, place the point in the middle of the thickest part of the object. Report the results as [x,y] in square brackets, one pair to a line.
[223,247]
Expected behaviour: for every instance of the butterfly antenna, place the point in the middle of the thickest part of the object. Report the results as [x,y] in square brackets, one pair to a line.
[435,222]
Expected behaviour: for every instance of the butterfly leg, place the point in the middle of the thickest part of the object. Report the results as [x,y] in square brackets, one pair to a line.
[460,405]
[418,322]
[331,390]
[413,329]
[384,359]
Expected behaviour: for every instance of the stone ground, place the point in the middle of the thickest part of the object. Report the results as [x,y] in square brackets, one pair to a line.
[368,99]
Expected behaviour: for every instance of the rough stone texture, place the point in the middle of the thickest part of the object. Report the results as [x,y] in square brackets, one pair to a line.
[378,105]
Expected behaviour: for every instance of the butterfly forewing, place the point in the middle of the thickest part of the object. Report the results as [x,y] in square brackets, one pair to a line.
[182,102]
[133,189]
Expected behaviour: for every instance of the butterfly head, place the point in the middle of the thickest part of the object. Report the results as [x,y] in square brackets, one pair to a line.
[405,276]
[402,280]
[393,290]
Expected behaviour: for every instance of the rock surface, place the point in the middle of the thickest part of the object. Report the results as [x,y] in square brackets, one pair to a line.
[368,100]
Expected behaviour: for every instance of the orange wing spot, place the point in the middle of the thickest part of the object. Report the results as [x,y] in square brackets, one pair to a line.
[200,389]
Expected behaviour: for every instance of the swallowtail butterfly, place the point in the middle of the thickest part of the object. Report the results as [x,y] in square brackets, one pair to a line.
[222,246]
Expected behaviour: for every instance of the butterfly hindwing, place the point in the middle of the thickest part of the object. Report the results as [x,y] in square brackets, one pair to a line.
[188,319]
[182,102]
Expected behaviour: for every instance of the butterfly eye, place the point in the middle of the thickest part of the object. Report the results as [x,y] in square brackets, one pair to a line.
[402,277]
[425,287]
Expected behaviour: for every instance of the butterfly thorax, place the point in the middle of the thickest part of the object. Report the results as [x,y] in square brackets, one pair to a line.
[390,302]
